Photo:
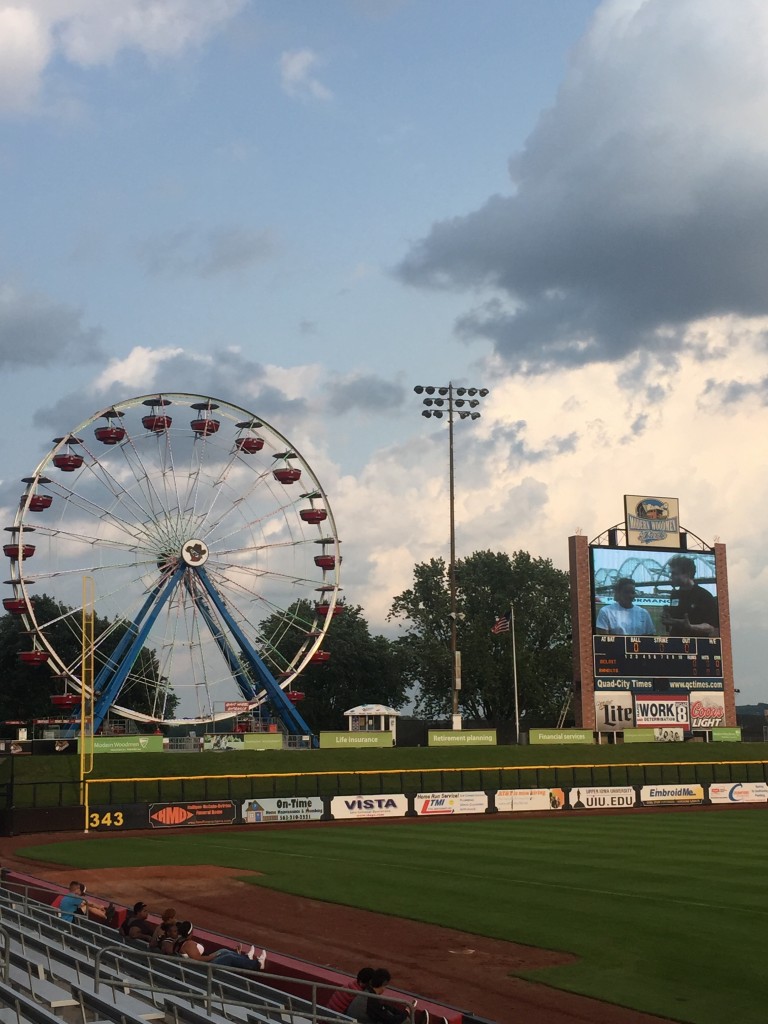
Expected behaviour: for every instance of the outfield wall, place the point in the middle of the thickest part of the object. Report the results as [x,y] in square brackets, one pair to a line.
[117,818]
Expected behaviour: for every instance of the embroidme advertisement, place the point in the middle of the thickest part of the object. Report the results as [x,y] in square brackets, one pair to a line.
[684,793]
[530,799]
[660,711]
[288,808]
[388,805]
[601,796]
[450,803]
[738,792]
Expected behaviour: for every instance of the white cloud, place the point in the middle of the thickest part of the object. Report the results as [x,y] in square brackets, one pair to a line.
[25,48]
[138,370]
[296,78]
[92,32]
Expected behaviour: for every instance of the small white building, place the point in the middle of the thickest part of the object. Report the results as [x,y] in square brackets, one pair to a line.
[373,718]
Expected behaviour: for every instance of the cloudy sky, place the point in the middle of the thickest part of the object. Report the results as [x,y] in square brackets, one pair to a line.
[308,208]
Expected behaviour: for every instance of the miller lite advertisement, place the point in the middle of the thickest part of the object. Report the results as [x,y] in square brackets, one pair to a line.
[652,521]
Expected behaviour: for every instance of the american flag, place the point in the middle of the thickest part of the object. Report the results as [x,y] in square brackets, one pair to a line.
[501,625]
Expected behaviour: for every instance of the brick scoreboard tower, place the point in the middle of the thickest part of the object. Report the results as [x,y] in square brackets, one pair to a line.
[584,679]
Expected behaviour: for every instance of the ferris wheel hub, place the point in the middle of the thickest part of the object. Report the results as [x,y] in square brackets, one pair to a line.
[195,553]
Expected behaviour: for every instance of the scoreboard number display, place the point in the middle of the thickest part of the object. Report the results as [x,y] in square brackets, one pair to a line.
[657,657]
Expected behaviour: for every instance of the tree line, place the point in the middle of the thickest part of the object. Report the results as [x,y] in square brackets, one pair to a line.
[413,667]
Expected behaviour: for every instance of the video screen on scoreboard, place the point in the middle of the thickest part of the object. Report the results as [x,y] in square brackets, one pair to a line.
[638,592]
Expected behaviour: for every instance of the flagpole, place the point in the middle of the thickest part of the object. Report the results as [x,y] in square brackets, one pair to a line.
[514,673]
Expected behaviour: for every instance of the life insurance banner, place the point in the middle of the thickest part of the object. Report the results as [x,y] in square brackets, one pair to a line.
[652,521]
[707,710]
[738,792]
[614,711]
[289,808]
[589,797]
[659,711]
[430,804]
[682,793]
[541,799]
[388,805]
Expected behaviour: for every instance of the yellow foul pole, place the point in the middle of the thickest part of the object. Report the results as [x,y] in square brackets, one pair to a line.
[86,691]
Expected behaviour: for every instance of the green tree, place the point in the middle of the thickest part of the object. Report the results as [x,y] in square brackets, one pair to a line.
[486,584]
[26,691]
[363,669]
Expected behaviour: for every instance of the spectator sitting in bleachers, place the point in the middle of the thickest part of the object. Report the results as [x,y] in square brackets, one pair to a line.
[169,933]
[168,916]
[136,926]
[342,998]
[187,947]
[75,903]
[367,1007]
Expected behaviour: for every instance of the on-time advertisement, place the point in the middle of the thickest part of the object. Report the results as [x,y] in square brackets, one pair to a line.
[530,799]
[457,738]
[588,797]
[389,805]
[287,808]
[738,792]
[682,793]
[450,803]
[660,711]
[536,736]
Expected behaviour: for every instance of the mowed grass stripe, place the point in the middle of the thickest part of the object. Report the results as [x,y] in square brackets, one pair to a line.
[666,912]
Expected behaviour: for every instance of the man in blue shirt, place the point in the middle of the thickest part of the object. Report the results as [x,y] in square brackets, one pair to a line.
[73,903]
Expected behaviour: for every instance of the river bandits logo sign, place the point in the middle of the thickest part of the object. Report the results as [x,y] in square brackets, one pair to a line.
[652,521]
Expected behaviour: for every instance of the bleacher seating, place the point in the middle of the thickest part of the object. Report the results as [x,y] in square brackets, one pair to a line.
[84,973]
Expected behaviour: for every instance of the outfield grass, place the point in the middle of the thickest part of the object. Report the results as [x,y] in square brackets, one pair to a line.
[666,912]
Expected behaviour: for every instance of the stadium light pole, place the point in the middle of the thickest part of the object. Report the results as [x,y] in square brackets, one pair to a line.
[453,403]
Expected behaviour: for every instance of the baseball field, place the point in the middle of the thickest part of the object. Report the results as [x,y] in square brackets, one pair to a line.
[661,912]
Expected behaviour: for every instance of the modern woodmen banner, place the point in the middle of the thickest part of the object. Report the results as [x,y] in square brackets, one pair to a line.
[652,521]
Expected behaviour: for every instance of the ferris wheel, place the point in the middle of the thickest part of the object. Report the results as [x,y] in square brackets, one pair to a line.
[213,553]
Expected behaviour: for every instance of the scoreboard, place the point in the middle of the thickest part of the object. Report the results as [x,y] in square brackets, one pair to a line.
[657,657]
